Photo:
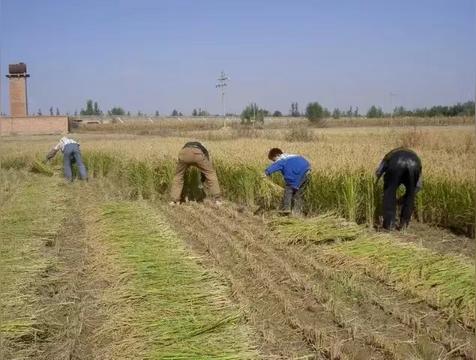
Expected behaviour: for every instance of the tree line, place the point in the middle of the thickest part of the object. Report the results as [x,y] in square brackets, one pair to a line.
[314,111]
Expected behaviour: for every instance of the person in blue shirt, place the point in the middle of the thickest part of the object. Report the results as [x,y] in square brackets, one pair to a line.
[295,170]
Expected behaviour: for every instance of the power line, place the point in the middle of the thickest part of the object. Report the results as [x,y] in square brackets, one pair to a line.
[222,83]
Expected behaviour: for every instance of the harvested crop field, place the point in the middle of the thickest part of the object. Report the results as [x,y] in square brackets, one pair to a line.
[108,270]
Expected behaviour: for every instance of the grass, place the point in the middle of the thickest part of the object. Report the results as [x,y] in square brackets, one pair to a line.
[443,281]
[180,309]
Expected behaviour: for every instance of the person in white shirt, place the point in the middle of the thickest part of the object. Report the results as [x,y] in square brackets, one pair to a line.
[71,154]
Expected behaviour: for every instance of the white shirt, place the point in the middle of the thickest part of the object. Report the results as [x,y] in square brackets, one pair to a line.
[63,142]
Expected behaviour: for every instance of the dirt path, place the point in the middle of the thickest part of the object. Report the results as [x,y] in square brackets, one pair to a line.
[299,306]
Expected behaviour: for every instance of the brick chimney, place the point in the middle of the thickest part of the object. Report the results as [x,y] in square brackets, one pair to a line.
[18,96]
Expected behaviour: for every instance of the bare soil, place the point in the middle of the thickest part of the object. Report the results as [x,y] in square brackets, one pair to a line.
[439,240]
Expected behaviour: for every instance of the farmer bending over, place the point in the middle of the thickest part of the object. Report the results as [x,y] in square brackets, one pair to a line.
[195,154]
[296,170]
[400,166]
[71,154]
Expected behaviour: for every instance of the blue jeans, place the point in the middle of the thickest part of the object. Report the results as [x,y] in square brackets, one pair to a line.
[72,154]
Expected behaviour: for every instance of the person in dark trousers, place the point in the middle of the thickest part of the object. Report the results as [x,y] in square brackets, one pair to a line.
[296,173]
[400,166]
[195,154]
[71,154]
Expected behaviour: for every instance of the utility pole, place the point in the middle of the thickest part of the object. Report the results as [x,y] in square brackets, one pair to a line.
[222,83]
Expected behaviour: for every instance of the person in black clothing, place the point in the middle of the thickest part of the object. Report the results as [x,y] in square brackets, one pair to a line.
[400,166]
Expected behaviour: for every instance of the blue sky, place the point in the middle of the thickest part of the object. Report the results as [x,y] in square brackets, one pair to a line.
[147,55]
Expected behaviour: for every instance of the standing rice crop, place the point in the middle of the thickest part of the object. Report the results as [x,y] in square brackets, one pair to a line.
[351,193]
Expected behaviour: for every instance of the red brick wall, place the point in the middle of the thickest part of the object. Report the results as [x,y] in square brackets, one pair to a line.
[33,125]
[18,100]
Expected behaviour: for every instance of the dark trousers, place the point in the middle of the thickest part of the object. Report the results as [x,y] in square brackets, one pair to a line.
[71,154]
[293,199]
[393,178]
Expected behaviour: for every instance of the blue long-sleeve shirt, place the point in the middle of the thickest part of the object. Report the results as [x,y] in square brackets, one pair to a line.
[293,168]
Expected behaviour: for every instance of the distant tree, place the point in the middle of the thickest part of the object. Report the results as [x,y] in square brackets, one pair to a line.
[336,113]
[139,113]
[51,111]
[460,109]
[252,114]
[117,111]
[399,111]
[294,110]
[75,112]
[57,112]
[97,111]
[89,108]
[199,112]
[277,113]
[39,112]
[156,112]
[375,112]
[356,112]
[128,113]
[315,112]
[180,114]
[174,113]
[349,112]
[468,108]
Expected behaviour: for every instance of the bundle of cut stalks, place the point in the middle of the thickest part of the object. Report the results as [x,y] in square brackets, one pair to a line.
[321,229]
[40,167]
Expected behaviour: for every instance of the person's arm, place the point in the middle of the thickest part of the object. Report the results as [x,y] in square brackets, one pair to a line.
[205,152]
[276,166]
[52,153]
